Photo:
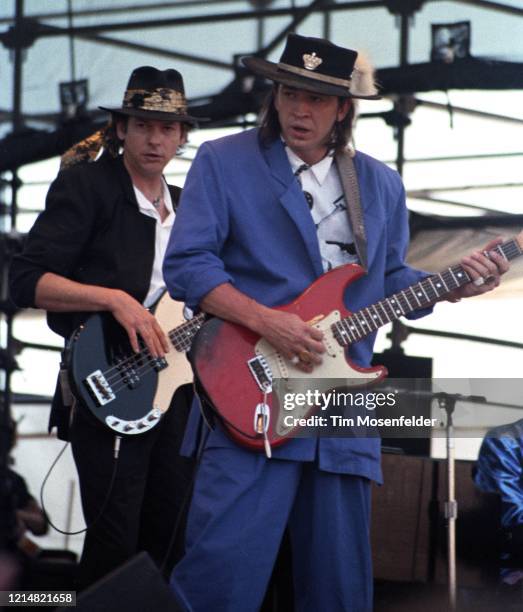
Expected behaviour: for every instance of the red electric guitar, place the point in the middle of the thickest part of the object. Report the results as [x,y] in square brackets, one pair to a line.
[236,368]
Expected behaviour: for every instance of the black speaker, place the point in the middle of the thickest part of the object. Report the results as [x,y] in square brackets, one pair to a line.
[136,586]
[417,372]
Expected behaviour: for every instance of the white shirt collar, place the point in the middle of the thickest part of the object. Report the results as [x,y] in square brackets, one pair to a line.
[319,170]
[146,206]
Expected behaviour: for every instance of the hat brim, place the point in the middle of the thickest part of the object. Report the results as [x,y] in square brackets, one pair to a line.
[271,71]
[157,115]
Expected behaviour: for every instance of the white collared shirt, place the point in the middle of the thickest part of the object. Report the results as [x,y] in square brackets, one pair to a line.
[163,231]
[329,209]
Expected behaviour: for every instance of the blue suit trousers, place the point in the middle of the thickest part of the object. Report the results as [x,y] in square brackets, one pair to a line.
[241,505]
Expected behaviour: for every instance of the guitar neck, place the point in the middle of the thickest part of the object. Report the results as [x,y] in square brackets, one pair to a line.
[367,320]
[182,336]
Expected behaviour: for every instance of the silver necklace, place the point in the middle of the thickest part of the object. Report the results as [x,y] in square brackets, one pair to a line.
[157,202]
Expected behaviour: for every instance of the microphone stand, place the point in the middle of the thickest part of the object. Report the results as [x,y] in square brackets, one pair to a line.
[447,402]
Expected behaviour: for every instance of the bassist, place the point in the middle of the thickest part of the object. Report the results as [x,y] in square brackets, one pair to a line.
[98,246]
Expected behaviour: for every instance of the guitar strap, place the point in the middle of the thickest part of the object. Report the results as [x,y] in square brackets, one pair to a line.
[349,181]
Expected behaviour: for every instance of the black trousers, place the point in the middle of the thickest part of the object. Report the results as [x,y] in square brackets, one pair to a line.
[146,499]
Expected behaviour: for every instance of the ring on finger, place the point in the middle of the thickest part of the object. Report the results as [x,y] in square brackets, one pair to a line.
[490,279]
[305,357]
[295,360]
[479,281]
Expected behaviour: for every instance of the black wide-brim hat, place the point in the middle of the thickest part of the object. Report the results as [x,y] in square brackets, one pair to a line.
[155,94]
[319,66]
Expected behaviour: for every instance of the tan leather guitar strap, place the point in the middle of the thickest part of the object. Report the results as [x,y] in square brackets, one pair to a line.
[349,181]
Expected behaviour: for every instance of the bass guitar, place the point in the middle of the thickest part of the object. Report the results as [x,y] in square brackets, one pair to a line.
[128,391]
[235,368]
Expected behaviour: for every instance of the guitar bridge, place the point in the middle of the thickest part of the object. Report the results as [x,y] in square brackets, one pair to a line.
[99,388]
[261,372]
[159,364]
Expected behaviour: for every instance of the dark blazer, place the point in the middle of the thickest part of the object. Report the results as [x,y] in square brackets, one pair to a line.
[91,231]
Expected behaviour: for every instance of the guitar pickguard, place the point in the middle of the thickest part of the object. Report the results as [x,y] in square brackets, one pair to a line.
[128,392]
[334,366]
[169,315]
[334,363]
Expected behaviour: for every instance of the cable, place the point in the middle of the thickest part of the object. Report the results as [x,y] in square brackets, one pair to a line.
[186,498]
[116,452]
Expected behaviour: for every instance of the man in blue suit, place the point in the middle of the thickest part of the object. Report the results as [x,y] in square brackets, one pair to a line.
[500,471]
[263,214]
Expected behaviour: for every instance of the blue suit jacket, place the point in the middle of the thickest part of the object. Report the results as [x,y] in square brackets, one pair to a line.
[243,219]
[500,470]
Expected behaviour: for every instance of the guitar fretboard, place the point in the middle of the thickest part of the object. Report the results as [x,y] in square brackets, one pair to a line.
[363,322]
[181,337]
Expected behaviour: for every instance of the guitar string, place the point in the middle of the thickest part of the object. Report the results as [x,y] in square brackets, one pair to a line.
[137,364]
[447,278]
[357,317]
[509,249]
[148,362]
[115,372]
[118,382]
[356,321]
[176,335]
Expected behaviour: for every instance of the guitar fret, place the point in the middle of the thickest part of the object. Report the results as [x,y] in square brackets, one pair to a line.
[375,317]
[403,300]
[346,331]
[448,280]
[181,337]
[509,250]
[340,334]
[353,330]
[420,285]
[361,320]
[415,295]
[442,279]
[359,324]
[366,322]
[454,277]
[409,304]
[429,290]
[462,277]
[433,286]
[389,314]
[350,330]
[392,300]
[359,333]
[405,306]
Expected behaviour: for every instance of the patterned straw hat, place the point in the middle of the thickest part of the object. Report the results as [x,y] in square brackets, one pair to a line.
[155,94]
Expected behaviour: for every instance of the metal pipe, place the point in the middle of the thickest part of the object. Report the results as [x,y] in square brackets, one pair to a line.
[214,18]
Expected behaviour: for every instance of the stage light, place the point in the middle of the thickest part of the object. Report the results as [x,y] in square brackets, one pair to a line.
[74,96]
[450,41]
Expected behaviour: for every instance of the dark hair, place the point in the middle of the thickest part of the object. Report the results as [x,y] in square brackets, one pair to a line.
[270,127]
[106,138]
